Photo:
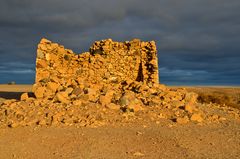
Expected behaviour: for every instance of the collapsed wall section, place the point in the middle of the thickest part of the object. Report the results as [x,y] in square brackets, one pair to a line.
[106,62]
[86,89]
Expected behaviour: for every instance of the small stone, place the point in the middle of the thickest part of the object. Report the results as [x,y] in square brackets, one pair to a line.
[183,120]
[131,102]
[48,94]
[84,97]
[139,154]
[77,91]
[215,117]
[13,125]
[69,90]
[77,102]
[53,86]
[126,98]
[63,97]
[39,92]
[139,133]
[92,94]
[123,101]
[191,97]
[42,122]
[188,107]
[104,100]
[113,79]
[197,117]
[176,104]
[113,106]
[110,93]
[24,96]
[135,107]
[30,99]
[162,116]
[42,76]
[222,119]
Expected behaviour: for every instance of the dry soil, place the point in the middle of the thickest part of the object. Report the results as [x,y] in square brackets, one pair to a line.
[139,139]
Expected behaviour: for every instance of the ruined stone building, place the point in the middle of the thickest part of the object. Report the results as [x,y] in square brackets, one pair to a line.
[106,62]
[107,84]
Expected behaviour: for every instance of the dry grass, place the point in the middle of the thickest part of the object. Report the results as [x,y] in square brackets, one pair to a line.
[15,88]
[229,96]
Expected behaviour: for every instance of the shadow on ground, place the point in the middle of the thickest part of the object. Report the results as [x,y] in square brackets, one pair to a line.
[13,95]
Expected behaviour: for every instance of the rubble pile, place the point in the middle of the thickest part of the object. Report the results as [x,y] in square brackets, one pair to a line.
[113,82]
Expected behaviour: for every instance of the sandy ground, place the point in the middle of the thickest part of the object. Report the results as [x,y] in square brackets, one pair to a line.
[164,139]
[15,88]
[129,141]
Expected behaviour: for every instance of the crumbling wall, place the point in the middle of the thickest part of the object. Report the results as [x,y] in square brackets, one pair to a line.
[133,60]
[106,62]
[105,85]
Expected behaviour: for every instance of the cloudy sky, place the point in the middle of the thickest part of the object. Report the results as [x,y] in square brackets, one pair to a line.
[198,40]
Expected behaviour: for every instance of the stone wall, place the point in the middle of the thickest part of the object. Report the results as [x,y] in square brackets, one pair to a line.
[107,84]
[107,62]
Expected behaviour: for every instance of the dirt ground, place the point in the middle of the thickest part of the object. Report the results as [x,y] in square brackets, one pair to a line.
[139,139]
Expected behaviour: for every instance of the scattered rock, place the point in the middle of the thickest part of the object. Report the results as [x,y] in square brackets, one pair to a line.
[69,90]
[113,106]
[24,96]
[39,92]
[104,100]
[77,102]
[63,97]
[135,107]
[191,100]
[189,107]
[127,98]
[191,97]
[176,103]
[138,154]
[82,89]
[53,86]
[13,125]
[92,94]
[183,120]
[77,91]
[197,117]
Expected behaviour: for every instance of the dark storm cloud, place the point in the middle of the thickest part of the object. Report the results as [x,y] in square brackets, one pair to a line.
[198,40]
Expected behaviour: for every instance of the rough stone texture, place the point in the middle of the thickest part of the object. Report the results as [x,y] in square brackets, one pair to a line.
[108,62]
[24,96]
[114,82]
